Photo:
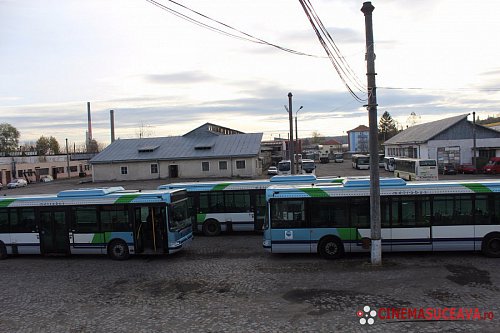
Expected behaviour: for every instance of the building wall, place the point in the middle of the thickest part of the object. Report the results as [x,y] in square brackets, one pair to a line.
[32,167]
[185,168]
[430,149]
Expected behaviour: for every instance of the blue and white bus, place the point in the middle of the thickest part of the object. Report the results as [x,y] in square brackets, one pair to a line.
[110,221]
[235,205]
[433,216]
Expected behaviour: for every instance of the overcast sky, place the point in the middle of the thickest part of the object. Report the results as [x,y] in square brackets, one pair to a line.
[168,76]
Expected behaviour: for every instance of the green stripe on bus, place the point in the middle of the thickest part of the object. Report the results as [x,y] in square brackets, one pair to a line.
[477,188]
[98,238]
[126,198]
[338,180]
[220,187]
[315,192]
[200,218]
[6,202]
[348,233]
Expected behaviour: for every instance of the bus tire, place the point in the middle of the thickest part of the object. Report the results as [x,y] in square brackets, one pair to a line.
[330,248]
[3,251]
[118,250]
[211,228]
[490,245]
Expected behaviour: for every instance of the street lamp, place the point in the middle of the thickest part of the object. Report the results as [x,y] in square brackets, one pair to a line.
[297,134]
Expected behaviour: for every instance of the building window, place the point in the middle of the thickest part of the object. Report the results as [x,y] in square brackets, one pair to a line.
[73,168]
[124,170]
[154,168]
[205,166]
[19,173]
[240,164]
[222,165]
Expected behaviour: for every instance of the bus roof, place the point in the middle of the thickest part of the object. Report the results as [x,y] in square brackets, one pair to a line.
[388,186]
[84,196]
[251,184]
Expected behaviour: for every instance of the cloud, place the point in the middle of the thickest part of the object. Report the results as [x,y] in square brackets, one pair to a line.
[179,78]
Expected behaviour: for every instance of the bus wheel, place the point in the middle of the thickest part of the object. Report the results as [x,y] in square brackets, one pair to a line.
[211,228]
[3,251]
[118,250]
[491,245]
[331,248]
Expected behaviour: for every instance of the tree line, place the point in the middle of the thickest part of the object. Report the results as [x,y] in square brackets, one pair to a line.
[9,142]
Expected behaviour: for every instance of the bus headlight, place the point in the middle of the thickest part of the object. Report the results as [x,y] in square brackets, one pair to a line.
[266,243]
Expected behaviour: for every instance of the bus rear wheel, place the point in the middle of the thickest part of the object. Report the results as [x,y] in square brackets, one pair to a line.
[118,250]
[331,248]
[491,245]
[211,228]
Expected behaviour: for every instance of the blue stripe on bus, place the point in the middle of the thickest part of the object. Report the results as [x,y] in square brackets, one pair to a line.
[409,241]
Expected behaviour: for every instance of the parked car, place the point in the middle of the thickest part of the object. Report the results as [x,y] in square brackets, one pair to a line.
[493,166]
[466,168]
[448,169]
[47,178]
[272,170]
[17,183]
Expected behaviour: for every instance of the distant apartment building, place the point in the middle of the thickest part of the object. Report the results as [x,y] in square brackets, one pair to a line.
[358,139]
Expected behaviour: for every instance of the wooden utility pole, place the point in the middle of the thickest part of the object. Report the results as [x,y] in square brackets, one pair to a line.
[376,239]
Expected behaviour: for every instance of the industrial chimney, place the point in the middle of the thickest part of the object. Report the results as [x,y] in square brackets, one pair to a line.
[89,132]
[112,122]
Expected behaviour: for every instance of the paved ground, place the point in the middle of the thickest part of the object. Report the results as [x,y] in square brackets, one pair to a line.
[228,284]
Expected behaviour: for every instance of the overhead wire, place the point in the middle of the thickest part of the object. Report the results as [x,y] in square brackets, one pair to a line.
[339,65]
[242,35]
[344,71]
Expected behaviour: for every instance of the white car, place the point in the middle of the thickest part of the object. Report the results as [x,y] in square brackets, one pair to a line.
[46,178]
[17,183]
[272,170]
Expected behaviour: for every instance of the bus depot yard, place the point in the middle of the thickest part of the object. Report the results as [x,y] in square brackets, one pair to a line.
[228,283]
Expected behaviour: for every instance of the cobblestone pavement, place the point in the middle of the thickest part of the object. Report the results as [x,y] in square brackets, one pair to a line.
[228,284]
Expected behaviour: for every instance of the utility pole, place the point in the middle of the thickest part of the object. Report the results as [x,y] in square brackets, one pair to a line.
[297,135]
[474,160]
[376,239]
[290,141]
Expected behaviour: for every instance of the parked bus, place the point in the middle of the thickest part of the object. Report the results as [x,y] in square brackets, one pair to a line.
[360,162]
[307,166]
[109,221]
[415,169]
[389,164]
[235,205]
[432,216]
[285,167]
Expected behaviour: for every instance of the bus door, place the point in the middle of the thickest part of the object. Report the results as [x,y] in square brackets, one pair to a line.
[54,234]
[150,232]
[411,230]
[259,204]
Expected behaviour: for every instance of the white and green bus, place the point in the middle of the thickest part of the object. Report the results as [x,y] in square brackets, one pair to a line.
[415,169]
[235,205]
[110,221]
[432,216]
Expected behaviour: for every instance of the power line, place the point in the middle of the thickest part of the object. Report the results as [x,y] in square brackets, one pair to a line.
[242,35]
[338,61]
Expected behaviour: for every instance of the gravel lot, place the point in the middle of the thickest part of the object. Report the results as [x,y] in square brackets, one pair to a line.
[229,284]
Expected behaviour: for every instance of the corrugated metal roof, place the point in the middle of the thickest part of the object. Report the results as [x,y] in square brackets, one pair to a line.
[424,132]
[181,147]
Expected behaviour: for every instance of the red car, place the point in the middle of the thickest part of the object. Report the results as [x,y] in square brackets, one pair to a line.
[466,168]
